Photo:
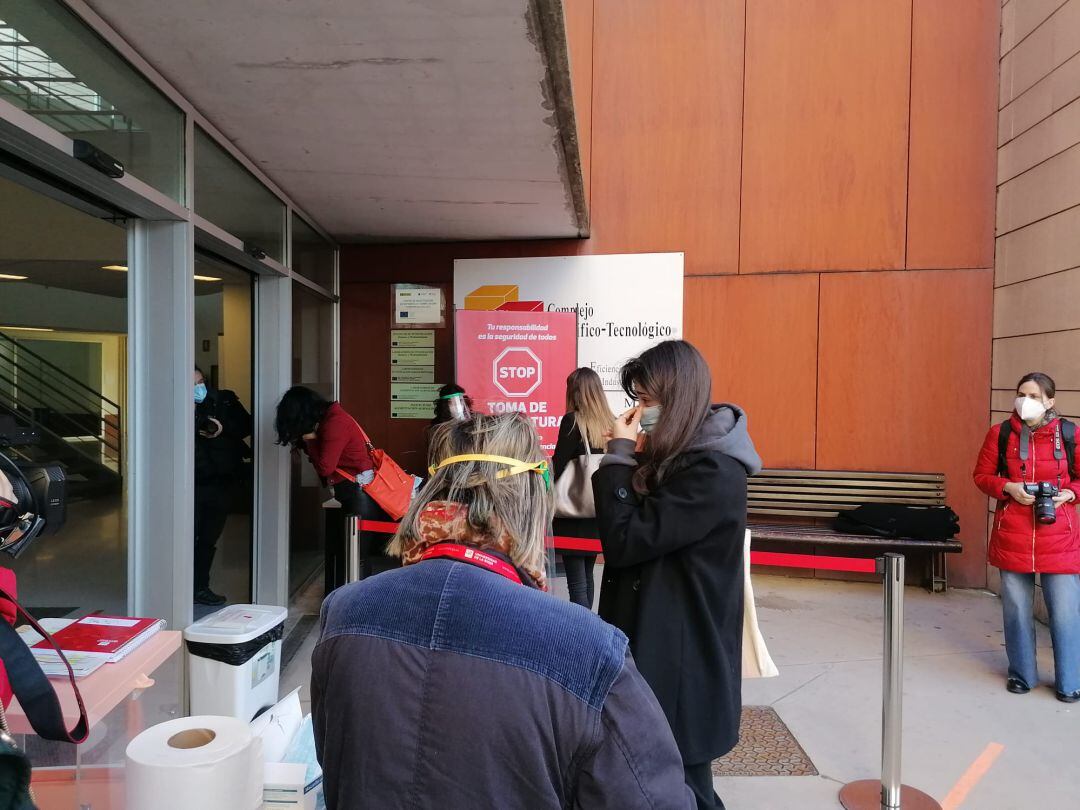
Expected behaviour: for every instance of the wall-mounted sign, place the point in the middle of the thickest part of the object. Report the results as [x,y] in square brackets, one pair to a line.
[417,392]
[624,303]
[412,357]
[412,374]
[418,305]
[412,338]
[518,361]
[412,410]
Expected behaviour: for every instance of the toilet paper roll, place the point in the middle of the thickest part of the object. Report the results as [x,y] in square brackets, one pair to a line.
[209,763]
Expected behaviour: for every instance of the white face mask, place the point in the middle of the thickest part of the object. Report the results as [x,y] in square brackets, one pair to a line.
[1029,409]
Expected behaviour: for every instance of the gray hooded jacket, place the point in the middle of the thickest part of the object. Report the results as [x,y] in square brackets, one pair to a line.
[724,430]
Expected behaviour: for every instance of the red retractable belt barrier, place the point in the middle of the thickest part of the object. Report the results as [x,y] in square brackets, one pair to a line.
[819,563]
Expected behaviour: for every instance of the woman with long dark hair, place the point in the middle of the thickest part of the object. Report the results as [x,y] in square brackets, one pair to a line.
[672,521]
[1036,535]
[336,447]
[587,421]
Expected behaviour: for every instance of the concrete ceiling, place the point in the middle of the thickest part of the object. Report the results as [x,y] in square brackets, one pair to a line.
[384,119]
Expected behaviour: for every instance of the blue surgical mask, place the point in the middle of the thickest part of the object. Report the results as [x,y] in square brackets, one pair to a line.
[649,417]
[200,392]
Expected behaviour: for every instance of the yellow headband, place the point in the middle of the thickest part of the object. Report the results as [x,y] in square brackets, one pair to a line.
[516,466]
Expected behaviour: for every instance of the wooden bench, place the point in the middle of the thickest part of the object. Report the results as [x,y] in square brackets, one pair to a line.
[796,507]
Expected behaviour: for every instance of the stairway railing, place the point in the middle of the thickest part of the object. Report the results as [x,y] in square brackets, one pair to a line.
[41,394]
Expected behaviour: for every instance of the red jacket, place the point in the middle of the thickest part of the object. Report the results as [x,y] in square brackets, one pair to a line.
[7,614]
[1018,542]
[338,442]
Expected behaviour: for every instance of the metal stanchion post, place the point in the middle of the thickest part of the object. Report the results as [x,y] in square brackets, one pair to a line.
[889,793]
[352,548]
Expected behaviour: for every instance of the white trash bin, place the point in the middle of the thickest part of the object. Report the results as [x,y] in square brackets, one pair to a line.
[234,660]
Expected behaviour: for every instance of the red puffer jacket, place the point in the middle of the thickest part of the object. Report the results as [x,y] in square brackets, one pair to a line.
[1018,542]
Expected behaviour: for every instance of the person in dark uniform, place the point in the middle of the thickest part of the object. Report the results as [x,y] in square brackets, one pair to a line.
[222,424]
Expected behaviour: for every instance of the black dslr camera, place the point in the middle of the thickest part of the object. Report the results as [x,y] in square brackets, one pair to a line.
[40,493]
[1044,492]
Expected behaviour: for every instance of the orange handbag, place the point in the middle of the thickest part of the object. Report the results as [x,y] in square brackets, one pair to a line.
[392,487]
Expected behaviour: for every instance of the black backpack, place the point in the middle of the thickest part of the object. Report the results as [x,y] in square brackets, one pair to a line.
[895,520]
[1068,438]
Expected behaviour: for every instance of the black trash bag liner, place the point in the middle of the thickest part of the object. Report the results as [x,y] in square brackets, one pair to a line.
[235,654]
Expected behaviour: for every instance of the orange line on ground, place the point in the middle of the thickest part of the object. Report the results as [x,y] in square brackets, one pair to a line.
[971,776]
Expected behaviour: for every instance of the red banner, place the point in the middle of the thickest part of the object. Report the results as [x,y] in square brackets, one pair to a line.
[518,361]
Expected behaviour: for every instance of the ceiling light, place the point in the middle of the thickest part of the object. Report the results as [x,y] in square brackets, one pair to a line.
[26,329]
[119,268]
[207,278]
[9,277]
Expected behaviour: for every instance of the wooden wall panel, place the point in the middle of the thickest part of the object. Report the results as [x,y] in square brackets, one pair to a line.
[666,129]
[1020,19]
[1049,137]
[1047,304]
[579,41]
[1046,48]
[899,390]
[759,334]
[953,122]
[1044,247]
[1047,96]
[1040,192]
[825,135]
[1056,353]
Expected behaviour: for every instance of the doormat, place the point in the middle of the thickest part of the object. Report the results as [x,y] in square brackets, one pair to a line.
[766,748]
[291,646]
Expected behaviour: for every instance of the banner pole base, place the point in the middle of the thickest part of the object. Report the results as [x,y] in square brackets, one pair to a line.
[866,795]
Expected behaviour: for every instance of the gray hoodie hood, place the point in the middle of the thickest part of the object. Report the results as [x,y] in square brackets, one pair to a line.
[724,431]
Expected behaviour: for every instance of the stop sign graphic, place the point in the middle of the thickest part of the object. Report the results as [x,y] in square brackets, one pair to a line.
[517,372]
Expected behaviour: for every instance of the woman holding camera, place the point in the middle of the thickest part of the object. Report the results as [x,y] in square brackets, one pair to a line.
[1028,464]
[672,523]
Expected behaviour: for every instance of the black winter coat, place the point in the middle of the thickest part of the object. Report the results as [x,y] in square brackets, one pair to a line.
[221,458]
[673,582]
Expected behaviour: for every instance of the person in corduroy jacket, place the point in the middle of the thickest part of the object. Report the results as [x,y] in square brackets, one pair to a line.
[456,682]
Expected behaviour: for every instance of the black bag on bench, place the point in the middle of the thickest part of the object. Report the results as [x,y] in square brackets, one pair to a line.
[896,520]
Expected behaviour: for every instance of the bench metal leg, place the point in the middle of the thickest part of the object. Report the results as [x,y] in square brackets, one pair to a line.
[939,572]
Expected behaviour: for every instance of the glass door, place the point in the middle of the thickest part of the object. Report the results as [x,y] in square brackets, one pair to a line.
[222,393]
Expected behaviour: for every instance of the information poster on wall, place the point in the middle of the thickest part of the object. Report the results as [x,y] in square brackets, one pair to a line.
[418,305]
[412,357]
[624,303]
[412,338]
[412,374]
[407,409]
[416,392]
[518,361]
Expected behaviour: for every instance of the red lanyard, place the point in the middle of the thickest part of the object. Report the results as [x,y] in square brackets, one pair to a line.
[475,557]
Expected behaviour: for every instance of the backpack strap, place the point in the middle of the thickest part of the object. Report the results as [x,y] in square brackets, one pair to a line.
[1068,436]
[1003,446]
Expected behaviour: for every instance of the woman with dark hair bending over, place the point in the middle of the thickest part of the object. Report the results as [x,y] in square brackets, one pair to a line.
[335,445]
[672,519]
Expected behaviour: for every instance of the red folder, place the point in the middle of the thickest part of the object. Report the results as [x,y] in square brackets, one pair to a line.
[112,636]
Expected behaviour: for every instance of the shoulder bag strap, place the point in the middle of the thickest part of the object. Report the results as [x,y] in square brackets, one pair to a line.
[35,692]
